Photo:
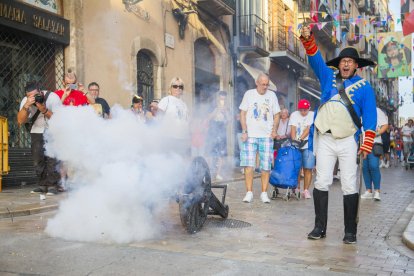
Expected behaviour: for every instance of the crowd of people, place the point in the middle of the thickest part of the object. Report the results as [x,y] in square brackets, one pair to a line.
[403,143]
[204,135]
[397,143]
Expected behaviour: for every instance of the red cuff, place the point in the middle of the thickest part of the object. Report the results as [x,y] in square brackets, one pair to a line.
[368,143]
[309,45]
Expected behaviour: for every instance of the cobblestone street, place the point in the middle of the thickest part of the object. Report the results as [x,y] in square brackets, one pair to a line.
[117,117]
[276,238]
[278,232]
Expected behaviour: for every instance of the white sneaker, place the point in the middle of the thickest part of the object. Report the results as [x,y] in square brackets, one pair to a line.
[248,198]
[264,197]
[377,196]
[219,177]
[367,195]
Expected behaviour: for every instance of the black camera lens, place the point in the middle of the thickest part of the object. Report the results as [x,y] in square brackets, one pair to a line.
[39,98]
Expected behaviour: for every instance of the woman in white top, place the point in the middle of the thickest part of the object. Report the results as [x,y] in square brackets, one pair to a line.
[175,113]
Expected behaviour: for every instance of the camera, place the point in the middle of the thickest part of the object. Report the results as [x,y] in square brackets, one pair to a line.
[73,86]
[39,98]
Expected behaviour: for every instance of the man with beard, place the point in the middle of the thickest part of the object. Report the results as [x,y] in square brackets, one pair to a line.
[345,99]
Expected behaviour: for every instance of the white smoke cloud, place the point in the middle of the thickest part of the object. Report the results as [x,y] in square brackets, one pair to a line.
[121,172]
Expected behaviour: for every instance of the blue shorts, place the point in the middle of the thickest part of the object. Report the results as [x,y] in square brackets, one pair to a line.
[308,159]
[253,145]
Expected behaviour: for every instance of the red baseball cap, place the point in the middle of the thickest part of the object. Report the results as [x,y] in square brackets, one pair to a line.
[303,104]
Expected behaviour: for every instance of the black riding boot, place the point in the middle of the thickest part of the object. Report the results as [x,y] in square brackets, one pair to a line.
[320,201]
[350,215]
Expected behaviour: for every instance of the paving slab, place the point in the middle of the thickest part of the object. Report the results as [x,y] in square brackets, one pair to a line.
[277,235]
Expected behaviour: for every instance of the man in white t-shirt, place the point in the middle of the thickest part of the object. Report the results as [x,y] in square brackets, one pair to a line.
[300,122]
[175,117]
[259,118]
[407,135]
[38,107]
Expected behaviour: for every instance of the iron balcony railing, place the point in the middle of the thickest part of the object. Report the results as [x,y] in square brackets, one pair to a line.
[303,6]
[230,3]
[218,7]
[345,26]
[283,39]
[252,31]
[366,6]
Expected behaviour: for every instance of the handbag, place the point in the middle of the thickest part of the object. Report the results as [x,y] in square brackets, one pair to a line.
[277,144]
[280,142]
[30,123]
[377,149]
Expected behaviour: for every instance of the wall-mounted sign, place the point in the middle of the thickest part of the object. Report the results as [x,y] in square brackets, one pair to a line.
[49,5]
[25,18]
[169,40]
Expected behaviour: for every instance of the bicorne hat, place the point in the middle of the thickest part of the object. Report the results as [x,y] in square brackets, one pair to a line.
[137,99]
[350,52]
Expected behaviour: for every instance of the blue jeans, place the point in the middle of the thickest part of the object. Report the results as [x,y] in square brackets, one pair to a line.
[371,172]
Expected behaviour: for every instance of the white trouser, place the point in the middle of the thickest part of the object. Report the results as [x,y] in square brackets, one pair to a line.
[328,151]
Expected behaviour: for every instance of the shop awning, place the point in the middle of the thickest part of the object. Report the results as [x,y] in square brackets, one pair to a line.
[255,73]
[311,91]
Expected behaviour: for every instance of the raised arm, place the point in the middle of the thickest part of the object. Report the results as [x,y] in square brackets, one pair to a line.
[314,56]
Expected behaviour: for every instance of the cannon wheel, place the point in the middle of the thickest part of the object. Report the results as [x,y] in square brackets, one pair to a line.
[195,204]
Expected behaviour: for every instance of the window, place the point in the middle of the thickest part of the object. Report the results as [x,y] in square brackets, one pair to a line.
[145,77]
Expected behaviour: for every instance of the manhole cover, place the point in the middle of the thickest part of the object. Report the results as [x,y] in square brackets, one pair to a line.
[228,223]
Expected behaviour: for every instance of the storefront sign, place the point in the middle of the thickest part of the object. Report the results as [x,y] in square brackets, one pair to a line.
[23,17]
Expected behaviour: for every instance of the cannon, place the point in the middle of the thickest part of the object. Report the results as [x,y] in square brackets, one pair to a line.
[197,200]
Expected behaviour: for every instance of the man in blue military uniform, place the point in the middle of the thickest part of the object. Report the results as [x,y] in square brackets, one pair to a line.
[346,99]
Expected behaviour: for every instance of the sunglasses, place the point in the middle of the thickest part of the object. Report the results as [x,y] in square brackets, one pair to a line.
[177,86]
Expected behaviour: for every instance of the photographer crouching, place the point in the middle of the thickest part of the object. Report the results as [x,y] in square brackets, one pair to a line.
[35,110]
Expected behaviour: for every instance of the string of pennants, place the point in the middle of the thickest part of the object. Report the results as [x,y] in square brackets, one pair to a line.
[337,20]
[354,21]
